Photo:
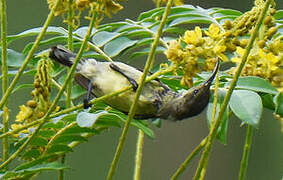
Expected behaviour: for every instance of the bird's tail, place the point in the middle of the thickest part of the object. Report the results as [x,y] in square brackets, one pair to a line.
[62,55]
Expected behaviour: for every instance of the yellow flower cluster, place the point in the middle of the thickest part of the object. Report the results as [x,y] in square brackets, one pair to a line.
[199,49]
[266,57]
[38,106]
[194,47]
[102,6]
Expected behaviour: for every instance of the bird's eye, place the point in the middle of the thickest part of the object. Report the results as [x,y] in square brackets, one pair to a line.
[196,91]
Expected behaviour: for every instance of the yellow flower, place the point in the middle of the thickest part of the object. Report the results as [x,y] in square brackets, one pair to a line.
[213,31]
[219,50]
[112,7]
[240,51]
[268,60]
[276,46]
[174,52]
[194,37]
[25,112]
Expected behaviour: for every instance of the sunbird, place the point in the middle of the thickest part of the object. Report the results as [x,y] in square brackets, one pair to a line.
[157,100]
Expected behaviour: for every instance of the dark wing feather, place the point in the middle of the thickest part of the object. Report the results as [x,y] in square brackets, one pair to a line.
[83,81]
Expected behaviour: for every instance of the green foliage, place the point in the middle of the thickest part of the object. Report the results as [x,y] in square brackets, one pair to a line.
[247,106]
[28,172]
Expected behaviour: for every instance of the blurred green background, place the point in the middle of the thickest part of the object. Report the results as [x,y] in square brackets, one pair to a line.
[175,140]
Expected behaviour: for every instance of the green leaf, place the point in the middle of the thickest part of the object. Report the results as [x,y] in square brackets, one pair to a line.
[57,125]
[267,101]
[47,166]
[141,33]
[172,81]
[47,133]
[79,130]
[66,139]
[56,148]
[222,130]
[14,58]
[175,30]
[103,37]
[278,101]
[34,169]
[256,84]
[81,32]
[54,40]
[278,14]
[115,47]
[141,125]
[33,153]
[68,117]
[35,31]
[146,51]
[227,12]
[112,26]
[149,13]
[12,73]
[85,119]
[187,20]
[108,120]
[34,162]
[39,141]
[247,106]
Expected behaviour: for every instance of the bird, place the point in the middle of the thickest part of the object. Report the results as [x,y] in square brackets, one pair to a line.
[157,100]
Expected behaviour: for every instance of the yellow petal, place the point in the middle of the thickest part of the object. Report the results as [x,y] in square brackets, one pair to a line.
[272,58]
[236,59]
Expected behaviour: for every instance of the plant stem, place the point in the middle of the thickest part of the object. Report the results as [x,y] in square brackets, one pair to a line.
[141,84]
[61,172]
[200,173]
[29,56]
[53,105]
[69,85]
[184,165]
[215,99]
[58,86]
[247,149]
[70,47]
[138,161]
[4,75]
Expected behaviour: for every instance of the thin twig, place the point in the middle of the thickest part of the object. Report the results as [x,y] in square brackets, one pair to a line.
[138,162]
[213,132]
[246,152]
[70,47]
[58,86]
[141,84]
[69,86]
[4,75]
